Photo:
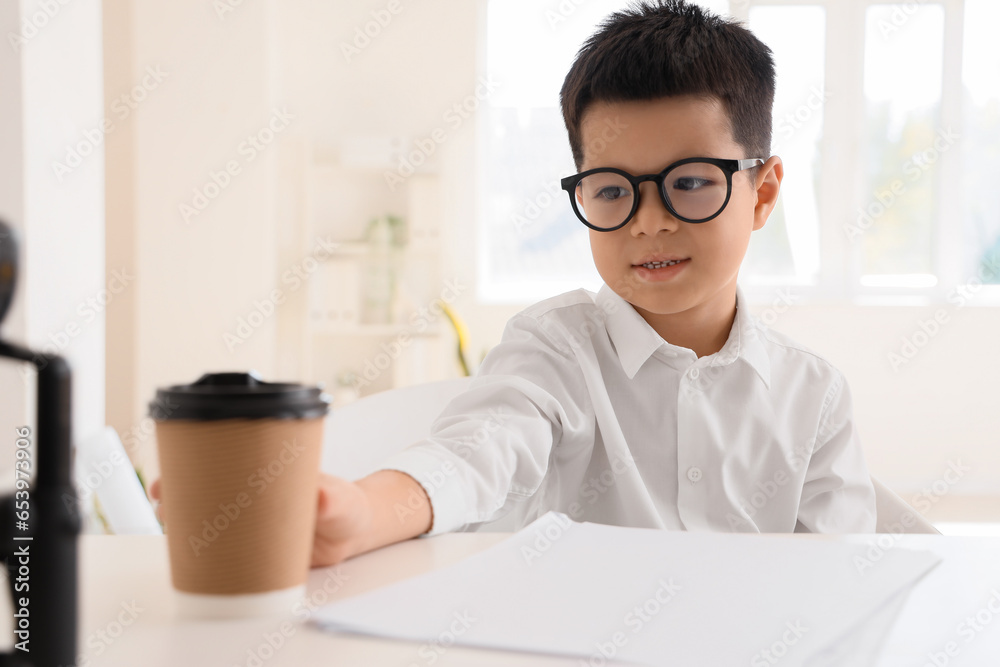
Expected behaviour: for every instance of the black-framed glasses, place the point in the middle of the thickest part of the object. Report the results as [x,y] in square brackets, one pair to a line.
[695,189]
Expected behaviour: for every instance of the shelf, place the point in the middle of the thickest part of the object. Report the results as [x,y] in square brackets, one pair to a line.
[343,188]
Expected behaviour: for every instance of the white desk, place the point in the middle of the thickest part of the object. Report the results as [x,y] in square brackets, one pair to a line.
[127,580]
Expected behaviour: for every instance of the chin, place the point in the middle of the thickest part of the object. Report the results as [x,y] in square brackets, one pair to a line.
[661,306]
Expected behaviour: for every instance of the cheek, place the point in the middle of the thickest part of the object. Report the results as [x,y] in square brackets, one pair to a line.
[729,238]
[607,251]
[600,246]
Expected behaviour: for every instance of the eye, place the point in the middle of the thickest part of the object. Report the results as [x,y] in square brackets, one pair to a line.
[612,193]
[690,183]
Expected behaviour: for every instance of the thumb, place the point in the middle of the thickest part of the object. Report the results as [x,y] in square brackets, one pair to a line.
[325,500]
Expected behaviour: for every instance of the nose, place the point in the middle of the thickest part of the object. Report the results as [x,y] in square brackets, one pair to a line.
[652,215]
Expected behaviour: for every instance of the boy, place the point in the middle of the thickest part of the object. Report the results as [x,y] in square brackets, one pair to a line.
[659,401]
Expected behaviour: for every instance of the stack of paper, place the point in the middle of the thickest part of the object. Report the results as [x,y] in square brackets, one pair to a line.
[652,597]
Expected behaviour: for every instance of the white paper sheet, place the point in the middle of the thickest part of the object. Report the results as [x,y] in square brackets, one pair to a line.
[651,597]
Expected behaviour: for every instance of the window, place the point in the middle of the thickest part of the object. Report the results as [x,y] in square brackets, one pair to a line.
[980,168]
[786,249]
[886,116]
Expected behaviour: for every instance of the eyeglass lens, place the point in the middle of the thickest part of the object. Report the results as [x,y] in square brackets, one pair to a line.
[696,190]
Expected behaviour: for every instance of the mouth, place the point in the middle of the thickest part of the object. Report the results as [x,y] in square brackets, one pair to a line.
[660,268]
[662,264]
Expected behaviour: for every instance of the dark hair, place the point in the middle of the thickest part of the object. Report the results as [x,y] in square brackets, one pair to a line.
[663,48]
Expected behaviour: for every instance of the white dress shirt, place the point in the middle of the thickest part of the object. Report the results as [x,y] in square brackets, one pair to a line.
[584,409]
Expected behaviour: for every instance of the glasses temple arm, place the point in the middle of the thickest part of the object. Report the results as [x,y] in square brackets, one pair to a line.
[749,162]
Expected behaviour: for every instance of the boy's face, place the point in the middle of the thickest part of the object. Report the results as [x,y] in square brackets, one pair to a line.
[653,134]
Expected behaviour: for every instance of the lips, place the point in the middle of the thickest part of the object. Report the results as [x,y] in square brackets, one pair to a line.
[660,260]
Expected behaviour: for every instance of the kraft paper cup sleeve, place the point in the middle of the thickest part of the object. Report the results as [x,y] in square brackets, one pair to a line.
[239,502]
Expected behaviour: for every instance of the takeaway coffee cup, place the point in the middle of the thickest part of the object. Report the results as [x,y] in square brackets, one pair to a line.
[239,468]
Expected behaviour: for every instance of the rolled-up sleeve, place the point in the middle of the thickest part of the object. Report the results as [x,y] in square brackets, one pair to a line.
[492,443]
[837,493]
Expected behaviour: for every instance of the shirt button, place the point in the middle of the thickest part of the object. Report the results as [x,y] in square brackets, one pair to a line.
[694,473]
[693,373]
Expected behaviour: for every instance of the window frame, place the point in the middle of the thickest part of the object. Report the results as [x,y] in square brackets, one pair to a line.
[843,121]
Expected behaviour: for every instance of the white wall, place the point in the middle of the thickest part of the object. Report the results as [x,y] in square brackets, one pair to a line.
[195,278]
[939,407]
[52,89]
[194,281]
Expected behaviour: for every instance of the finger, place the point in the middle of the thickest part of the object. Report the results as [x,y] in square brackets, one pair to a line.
[154,489]
[324,502]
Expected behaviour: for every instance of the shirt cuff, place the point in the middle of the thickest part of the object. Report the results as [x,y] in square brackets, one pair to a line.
[439,478]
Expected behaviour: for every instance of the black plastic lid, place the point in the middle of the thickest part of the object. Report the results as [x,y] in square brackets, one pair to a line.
[238,396]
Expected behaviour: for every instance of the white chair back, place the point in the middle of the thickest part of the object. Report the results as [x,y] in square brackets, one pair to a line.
[894,515]
[360,436]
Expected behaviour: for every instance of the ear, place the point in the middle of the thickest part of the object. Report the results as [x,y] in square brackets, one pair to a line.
[767,186]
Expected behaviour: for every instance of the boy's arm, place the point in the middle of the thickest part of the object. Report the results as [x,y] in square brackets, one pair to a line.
[356,517]
[400,508]
[491,446]
[837,493]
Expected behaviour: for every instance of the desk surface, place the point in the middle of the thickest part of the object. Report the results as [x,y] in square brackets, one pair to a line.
[128,612]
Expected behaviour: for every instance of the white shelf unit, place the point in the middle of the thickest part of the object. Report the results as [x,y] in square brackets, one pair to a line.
[339,200]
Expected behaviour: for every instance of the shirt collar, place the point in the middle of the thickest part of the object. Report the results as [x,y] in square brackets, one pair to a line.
[635,341]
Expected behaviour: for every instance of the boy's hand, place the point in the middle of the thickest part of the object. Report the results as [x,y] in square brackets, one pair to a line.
[343,517]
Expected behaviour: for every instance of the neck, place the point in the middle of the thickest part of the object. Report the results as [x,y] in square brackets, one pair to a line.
[703,329]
